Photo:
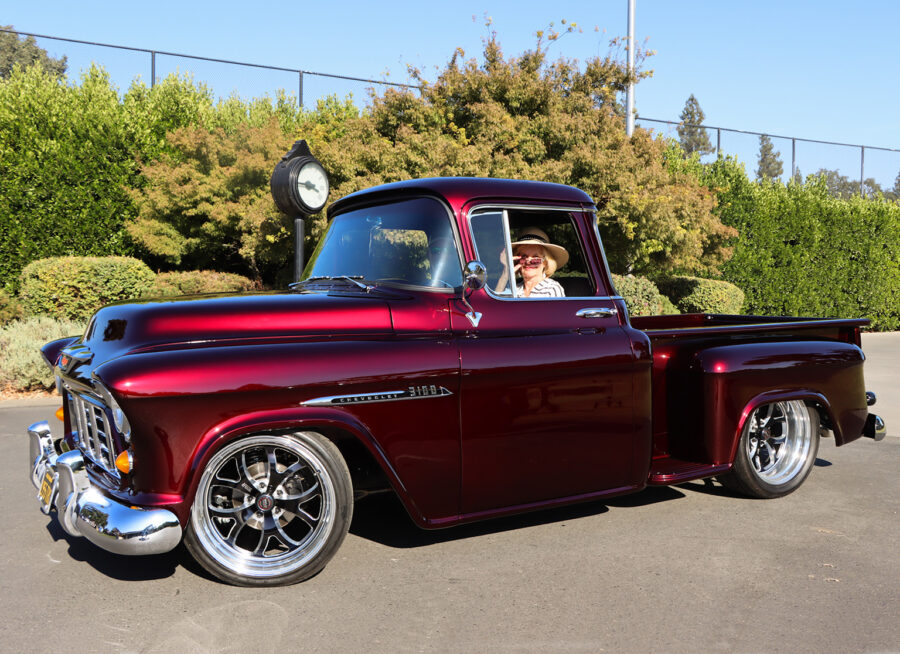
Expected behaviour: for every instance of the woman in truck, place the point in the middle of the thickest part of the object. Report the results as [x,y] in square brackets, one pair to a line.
[535,259]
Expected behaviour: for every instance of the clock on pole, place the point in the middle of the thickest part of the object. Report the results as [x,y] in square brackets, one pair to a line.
[299,186]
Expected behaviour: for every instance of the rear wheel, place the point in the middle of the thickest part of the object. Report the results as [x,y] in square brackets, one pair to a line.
[271,509]
[777,450]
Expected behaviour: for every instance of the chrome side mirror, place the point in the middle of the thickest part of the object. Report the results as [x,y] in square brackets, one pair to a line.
[476,275]
[476,278]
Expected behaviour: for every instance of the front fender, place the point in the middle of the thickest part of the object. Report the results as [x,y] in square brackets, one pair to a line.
[289,420]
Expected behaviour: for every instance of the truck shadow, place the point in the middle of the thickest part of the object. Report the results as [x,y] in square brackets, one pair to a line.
[117,566]
[384,520]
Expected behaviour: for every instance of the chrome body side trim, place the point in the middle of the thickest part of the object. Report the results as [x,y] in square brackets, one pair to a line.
[83,509]
[411,393]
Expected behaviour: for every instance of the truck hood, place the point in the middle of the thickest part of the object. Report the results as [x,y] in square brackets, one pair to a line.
[199,321]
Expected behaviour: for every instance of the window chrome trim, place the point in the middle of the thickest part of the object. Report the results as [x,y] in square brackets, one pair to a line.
[508,237]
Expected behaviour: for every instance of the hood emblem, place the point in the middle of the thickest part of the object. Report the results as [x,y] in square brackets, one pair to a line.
[410,393]
[74,355]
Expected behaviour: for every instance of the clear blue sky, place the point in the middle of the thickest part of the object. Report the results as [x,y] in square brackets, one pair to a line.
[822,70]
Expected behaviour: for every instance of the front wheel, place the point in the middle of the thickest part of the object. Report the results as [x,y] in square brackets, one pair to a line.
[777,450]
[271,509]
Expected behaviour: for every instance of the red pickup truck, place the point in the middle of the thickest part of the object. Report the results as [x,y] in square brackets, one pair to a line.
[407,359]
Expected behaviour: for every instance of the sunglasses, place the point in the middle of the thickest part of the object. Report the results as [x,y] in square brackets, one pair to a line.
[528,262]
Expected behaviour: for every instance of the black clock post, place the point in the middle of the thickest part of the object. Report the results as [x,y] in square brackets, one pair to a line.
[299,187]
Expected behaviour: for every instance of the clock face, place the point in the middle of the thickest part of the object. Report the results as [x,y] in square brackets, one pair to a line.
[312,186]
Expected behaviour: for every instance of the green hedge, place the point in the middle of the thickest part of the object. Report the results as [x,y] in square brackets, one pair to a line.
[642,297]
[75,287]
[803,252]
[697,295]
[21,366]
[198,281]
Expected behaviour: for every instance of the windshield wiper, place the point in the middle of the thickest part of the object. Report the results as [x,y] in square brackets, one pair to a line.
[353,279]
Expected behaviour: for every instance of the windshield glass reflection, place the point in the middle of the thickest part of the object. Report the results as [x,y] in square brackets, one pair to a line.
[409,242]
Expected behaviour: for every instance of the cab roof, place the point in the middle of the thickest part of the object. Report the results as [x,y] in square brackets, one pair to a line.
[457,191]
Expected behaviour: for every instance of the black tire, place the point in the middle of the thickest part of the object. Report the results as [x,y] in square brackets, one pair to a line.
[777,450]
[252,527]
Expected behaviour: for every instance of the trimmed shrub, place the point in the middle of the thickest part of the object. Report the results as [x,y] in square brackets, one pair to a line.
[803,252]
[198,281]
[10,308]
[697,295]
[642,297]
[22,368]
[75,287]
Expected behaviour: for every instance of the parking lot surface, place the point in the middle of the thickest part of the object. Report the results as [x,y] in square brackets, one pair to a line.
[682,569]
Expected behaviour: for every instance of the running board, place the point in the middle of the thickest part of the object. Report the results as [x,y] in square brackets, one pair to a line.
[668,471]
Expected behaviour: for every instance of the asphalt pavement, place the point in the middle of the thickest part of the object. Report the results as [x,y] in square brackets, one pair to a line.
[682,569]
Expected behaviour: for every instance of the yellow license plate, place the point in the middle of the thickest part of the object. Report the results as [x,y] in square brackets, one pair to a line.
[47,488]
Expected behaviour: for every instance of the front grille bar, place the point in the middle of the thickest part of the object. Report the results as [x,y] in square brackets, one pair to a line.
[93,429]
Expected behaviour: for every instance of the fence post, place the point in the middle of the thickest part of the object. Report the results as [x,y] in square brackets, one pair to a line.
[718,142]
[862,169]
[152,69]
[793,158]
[300,91]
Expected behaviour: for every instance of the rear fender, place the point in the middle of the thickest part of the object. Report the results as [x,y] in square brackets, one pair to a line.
[732,380]
[810,398]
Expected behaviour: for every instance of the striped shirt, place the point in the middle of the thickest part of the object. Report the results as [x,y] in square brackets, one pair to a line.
[545,288]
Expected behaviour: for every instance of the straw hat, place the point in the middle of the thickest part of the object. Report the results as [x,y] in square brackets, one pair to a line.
[537,236]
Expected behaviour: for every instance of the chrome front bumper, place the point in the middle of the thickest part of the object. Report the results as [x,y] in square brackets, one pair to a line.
[83,509]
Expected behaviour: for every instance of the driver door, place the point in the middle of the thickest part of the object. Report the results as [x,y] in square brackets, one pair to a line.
[546,396]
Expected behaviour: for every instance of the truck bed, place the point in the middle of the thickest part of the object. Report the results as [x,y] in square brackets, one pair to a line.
[698,400]
[660,328]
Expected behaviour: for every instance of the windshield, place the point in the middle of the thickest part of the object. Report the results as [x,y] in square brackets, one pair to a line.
[407,242]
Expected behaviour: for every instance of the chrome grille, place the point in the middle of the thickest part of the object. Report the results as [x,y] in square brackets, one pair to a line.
[93,430]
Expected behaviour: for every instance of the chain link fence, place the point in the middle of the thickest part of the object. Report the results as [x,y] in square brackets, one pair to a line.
[799,156]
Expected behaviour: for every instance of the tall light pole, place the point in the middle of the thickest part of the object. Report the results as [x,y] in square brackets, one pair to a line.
[629,98]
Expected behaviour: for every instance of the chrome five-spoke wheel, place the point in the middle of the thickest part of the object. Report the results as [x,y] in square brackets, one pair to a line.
[271,509]
[777,450]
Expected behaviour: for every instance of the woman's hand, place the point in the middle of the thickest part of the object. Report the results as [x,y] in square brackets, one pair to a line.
[505,265]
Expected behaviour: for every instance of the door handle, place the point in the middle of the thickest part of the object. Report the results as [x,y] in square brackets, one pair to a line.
[601,312]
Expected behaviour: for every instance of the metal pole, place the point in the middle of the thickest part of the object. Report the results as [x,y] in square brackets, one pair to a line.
[862,169]
[629,98]
[298,248]
[718,142]
[793,158]
[300,91]
[152,69]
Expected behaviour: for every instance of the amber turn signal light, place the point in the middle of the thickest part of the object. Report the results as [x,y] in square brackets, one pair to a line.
[124,462]
[60,413]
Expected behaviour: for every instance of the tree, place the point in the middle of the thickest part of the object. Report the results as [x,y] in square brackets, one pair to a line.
[529,118]
[25,52]
[207,205]
[894,193]
[693,139]
[770,167]
[841,186]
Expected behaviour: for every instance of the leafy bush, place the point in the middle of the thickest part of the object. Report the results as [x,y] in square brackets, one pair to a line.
[642,297]
[696,295]
[75,287]
[198,281]
[22,368]
[209,205]
[10,308]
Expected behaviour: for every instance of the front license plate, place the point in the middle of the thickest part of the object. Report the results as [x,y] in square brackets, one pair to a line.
[47,489]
